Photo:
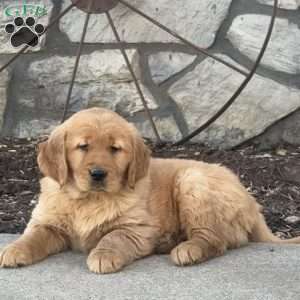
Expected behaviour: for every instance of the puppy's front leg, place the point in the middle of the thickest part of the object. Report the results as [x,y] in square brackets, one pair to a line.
[35,244]
[120,247]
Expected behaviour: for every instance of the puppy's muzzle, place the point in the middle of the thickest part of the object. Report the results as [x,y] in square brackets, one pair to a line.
[98,175]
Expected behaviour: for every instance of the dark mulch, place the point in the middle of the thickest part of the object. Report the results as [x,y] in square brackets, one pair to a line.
[273,177]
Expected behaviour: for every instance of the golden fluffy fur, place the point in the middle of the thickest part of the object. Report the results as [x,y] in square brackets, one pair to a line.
[192,210]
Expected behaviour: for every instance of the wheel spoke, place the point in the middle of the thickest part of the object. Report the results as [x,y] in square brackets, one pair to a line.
[139,90]
[79,51]
[182,39]
[57,18]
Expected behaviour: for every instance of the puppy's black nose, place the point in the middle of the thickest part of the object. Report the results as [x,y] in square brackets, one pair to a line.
[98,174]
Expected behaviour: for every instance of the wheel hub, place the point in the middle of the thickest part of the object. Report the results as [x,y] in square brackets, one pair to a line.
[98,6]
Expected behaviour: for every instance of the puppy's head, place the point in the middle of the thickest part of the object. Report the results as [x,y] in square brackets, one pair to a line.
[95,150]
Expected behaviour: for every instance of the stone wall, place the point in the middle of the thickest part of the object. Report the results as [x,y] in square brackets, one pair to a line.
[182,87]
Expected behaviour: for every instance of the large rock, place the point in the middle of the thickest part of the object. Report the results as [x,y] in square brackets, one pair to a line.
[285,4]
[9,10]
[4,79]
[102,80]
[197,20]
[286,131]
[166,127]
[248,32]
[164,65]
[202,92]
[34,127]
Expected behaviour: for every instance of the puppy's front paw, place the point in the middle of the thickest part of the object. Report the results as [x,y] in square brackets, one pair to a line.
[186,253]
[105,261]
[15,256]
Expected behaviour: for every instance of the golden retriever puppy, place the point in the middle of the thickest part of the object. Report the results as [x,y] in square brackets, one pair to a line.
[104,195]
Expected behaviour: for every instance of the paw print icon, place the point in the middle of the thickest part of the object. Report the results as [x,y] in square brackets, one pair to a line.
[24,32]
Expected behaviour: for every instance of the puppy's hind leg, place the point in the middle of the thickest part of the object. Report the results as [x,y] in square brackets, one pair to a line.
[199,221]
[201,245]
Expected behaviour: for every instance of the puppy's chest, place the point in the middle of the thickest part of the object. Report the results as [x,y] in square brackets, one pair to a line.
[91,221]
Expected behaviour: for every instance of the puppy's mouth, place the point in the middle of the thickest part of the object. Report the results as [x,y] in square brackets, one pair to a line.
[98,187]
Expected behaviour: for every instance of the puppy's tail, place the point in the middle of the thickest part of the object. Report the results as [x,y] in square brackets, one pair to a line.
[262,233]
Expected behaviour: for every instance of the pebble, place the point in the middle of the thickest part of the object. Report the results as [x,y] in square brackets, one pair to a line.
[280,234]
[24,193]
[281,152]
[265,155]
[292,219]
[33,202]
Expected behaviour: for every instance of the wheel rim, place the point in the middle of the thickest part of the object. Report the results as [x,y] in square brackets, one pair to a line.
[103,7]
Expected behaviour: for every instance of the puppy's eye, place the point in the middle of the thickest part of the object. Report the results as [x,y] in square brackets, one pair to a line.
[114,149]
[83,147]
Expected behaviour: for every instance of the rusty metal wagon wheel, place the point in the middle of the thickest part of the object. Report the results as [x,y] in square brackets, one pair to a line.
[104,7]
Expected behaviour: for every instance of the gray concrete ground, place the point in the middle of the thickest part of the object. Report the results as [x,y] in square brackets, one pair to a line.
[255,272]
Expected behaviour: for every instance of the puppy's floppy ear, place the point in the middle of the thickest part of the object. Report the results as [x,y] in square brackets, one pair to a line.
[52,157]
[139,165]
